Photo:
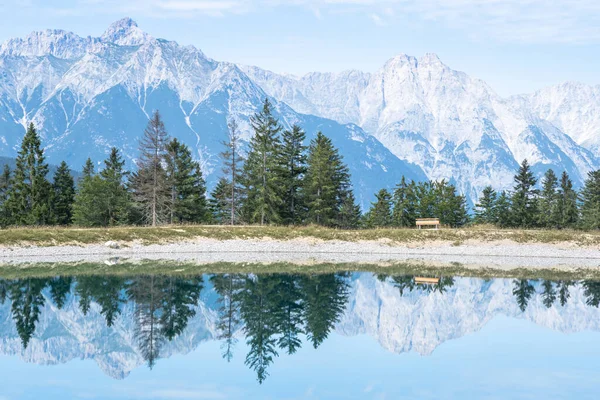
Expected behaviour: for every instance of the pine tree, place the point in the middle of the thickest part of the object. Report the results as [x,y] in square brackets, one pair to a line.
[29,198]
[326,182]
[548,201]
[485,210]
[503,208]
[117,196]
[149,182]
[380,214]
[233,162]
[64,195]
[549,293]
[5,185]
[524,198]
[88,169]
[404,207]
[91,203]
[261,171]
[219,204]
[590,201]
[187,187]
[292,160]
[349,216]
[567,214]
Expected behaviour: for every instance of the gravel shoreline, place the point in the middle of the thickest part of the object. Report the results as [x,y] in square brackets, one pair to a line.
[499,255]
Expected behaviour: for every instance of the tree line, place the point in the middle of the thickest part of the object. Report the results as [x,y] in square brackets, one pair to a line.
[277,180]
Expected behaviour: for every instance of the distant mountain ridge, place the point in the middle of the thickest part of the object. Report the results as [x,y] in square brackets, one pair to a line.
[413,117]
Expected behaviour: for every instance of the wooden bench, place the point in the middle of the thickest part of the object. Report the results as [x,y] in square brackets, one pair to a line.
[426,281]
[428,222]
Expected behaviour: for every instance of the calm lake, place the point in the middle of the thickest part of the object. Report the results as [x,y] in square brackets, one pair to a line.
[277,336]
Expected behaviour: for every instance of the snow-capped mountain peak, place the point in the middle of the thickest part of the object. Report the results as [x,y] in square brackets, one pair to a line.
[125,32]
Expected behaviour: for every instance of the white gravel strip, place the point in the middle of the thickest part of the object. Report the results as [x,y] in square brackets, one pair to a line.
[499,255]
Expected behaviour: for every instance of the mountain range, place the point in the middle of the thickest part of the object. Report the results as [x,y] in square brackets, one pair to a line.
[413,117]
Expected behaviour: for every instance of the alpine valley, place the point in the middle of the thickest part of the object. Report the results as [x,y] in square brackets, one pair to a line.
[413,117]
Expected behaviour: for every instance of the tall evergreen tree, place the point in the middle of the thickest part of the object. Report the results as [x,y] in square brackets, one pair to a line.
[219,204]
[5,184]
[180,297]
[186,184]
[88,169]
[404,205]
[524,198]
[60,287]
[326,182]
[117,196]
[262,182]
[485,210]
[149,182]
[590,201]
[64,195]
[292,160]
[548,201]
[380,214]
[349,216]
[233,162]
[566,207]
[91,201]
[503,208]
[29,198]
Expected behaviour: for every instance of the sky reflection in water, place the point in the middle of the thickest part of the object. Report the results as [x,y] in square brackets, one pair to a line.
[298,336]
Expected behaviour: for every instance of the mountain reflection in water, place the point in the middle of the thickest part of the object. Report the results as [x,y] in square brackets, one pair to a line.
[120,321]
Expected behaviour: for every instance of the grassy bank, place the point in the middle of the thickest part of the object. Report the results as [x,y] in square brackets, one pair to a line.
[126,268]
[52,236]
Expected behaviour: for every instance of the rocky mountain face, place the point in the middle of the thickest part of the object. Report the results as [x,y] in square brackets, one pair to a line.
[88,94]
[413,117]
[415,320]
[453,126]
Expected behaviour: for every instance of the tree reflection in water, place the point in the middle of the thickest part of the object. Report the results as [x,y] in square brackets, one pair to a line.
[274,312]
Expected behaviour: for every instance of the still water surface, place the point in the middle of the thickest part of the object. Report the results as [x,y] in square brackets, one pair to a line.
[330,336]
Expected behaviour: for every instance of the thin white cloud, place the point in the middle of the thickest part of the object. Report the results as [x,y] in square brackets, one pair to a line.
[530,21]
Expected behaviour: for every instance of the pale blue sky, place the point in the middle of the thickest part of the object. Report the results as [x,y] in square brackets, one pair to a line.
[515,45]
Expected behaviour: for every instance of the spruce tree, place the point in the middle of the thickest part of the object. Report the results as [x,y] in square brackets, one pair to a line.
[149,182]
[404,205]
[485,210]
[30,196]
[64,195]
[326,182]
[233,162]
[5,184]
[292,160]
[503,208]
[590,201]
[91,202]
[262,182]
[219,204]
[117,196]
[548,201]
[566,208]
[524,198]
[88,169]
[186,185]
[380,214]
[349,216]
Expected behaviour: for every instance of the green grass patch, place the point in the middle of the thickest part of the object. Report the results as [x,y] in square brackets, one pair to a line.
[128,268]
[53,236]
